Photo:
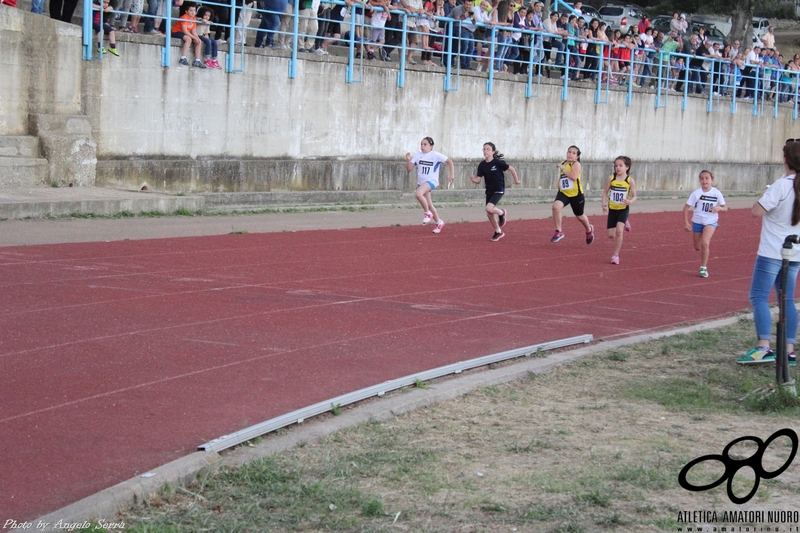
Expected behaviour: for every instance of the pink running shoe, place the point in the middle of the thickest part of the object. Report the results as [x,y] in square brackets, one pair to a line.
[439,226]
[614,259]
[216,64]
[428,218]
[628,226]
[208,63]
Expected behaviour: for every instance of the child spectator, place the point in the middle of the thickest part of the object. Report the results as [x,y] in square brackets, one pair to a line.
[185,28]
[428,164]
[619,194]
[491,170]
[706,202]
[378,31]
[204,32]
[107,28]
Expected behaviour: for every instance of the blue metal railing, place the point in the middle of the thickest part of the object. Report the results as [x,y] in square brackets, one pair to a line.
[668,73]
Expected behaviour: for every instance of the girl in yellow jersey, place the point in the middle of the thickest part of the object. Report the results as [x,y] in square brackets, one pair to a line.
[570,192]
[619,194]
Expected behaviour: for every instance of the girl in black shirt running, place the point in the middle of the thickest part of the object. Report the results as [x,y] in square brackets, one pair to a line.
[491,170]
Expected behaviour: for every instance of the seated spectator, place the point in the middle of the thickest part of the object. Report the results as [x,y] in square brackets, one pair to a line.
[99,17]
[204,32]
[621,66]
[185,28]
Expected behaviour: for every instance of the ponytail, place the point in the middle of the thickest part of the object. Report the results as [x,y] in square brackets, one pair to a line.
[496,154]
[791,155]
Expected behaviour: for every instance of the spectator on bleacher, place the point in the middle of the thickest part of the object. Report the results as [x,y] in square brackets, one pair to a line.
[592,63]
[502,16]
[428,26]
[482,17]
[394,27]
[134,7]
[222,19]
[286,26]
[100,16]
[549,42]
[467,31]
[768,38]
[643,24]
[789,79]
[750,72]
[648,52]
[521,42]
[37,6]
[536,44]
[185,28]
[245,15]
[307,25]
[149,22]
[204,33]
[701,35]
[59,9]
[621,66]
[448,7]
[695,49]
[413,8]
[377,37]
[562,29]
[675,24]
[271,20]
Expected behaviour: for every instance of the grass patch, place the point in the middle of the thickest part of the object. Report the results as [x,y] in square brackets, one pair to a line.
[594,446]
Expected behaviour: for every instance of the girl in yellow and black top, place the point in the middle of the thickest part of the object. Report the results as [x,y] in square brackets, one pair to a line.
[619,194]
[570,192]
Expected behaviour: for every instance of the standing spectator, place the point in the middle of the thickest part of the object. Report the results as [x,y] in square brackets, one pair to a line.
[134,7]
[467,31]
[185,28]
[768,39]
[59,9]
[643,24]
[377,32]
[675,24]
[243,20]
[286,26]
[204,32]
[750,73]
[695,48]
[551,27]
[779,209]
[149,22]
[307,25]
[271,19]
[414,8]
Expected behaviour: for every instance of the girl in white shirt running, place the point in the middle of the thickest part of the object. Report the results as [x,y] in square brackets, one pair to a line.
[428,164]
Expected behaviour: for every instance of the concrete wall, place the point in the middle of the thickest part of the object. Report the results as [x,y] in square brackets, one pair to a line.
[41,69]
[186,129]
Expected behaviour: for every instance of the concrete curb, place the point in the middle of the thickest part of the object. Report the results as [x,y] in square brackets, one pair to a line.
[180,473]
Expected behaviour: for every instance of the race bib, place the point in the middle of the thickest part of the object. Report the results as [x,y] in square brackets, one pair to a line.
[566,183]
[618,197]
[706,207]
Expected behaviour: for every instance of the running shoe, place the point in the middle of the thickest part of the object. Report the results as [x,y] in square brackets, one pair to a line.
[557,236]
[428,218]
[184,61]
[501,219]
[703,272]
[628,226]
[439,226]
[792,359]
[759,354]
[497,236]
[614,259]
[113,51]
[590,235]
[199,64]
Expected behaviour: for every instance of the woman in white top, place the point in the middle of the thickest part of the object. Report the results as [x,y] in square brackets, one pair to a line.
[779,209]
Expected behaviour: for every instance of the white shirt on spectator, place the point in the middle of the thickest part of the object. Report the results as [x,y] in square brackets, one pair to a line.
[776,225]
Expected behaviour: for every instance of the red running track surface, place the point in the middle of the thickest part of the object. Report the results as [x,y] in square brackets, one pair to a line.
[120,357]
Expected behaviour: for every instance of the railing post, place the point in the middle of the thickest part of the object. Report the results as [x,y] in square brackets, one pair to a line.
[88,54]
[401,76]
[490,66]
[447,55]
[295,26]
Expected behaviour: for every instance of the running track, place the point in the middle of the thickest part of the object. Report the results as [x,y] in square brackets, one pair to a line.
[120,357]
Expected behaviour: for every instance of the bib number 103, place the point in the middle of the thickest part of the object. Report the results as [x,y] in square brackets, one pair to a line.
[617,196]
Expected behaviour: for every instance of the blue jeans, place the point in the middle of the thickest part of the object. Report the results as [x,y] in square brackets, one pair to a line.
[36,6]
[467,47]
[766,274]
[152,9]
[502,52]
[211,47]
[270,22]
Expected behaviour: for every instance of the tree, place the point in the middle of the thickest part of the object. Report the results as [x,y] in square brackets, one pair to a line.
[741,22]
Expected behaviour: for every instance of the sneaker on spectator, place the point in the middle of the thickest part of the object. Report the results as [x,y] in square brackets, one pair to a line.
[383,54]
[208,63]
[301,50]
[439,226]
[614,259]
[113,51]
[184,61]
[428,217]
[153,32]
[222,41]
[501,220]
[759,354]
[101,50]
[199,64]
[497,236]
[557,236]
[216,64]
[590,235]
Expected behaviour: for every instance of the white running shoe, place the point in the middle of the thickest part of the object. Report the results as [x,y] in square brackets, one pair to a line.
[428,218]
[439,226]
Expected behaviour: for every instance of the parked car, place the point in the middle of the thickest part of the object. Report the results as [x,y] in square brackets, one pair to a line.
[621,17]
[588,11]
[760,26]
[661,23]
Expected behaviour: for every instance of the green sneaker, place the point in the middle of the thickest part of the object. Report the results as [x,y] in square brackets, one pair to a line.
[759,354]
[113,51]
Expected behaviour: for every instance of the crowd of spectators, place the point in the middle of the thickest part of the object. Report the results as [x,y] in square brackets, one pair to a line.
[505,35]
